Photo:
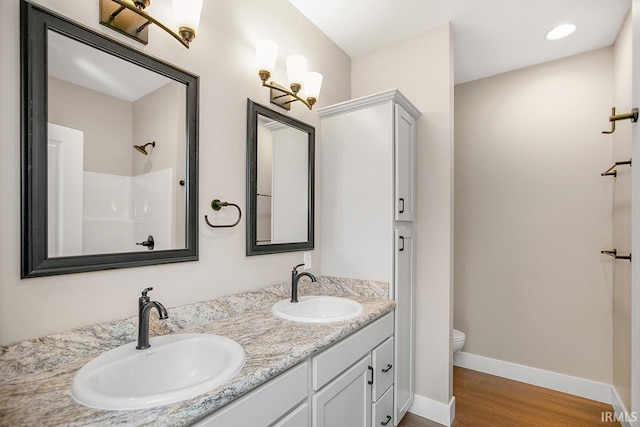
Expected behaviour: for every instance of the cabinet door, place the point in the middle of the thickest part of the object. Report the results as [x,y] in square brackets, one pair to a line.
[404,327]
[346,401]
[356,210]
[405,165]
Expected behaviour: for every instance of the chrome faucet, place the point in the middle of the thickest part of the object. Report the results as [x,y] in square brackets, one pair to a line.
[144,310]
[295,277]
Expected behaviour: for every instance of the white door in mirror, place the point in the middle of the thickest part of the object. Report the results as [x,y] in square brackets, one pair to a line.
[318,309]
[176,367]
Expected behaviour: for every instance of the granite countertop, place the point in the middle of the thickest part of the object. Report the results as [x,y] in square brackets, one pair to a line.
[36,375]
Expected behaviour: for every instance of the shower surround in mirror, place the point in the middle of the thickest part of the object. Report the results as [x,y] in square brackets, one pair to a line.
[121,210]
[94,212]
[120,196]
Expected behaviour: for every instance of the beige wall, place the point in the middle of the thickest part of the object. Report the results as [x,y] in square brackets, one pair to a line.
[160,116]
[422,68]
[622,79]
[107,123]
[533,213]
[223,55]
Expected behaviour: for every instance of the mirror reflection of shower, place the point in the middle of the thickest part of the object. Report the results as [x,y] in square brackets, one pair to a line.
[143,148]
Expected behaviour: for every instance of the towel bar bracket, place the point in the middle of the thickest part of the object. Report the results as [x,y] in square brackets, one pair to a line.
[613,118]
[612,172]
[614,254]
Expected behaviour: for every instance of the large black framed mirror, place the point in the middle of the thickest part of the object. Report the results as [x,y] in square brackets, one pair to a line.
[280,182]
[109,152]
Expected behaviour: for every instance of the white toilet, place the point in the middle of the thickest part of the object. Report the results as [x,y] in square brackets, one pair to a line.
[458,340]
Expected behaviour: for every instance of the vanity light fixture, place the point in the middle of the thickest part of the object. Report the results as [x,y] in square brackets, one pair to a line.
[560,32]
[304,86]
[131,18]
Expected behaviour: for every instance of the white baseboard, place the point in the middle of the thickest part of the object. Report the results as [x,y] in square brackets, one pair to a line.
[433,410]
[621,413]
[564,383]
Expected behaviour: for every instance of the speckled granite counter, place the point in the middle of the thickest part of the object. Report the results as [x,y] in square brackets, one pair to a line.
[36,375]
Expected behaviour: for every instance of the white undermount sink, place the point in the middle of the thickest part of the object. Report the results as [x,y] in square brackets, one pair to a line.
[317,309]
[176,367]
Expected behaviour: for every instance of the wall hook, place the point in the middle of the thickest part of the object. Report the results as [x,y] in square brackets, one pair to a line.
[613,118]
[216,205]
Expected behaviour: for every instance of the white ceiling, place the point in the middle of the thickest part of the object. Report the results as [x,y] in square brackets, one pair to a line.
[491,36]
[83,65]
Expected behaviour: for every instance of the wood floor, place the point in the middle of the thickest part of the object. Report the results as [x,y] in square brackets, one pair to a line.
[487,401]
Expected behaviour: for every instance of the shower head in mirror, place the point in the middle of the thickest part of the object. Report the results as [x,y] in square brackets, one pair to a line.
[143,148]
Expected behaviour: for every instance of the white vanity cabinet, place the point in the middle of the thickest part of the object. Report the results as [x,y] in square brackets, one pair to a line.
[367,208]
[297,418]
[267,404]
[347,385]
[350,378]
[346,401]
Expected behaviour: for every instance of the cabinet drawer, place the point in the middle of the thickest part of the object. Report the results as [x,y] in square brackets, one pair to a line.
[383,410]
[330,363]
[264,405]
[299,417]
[382,359]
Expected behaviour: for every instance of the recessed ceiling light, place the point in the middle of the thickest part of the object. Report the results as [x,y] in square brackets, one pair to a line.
[560,32]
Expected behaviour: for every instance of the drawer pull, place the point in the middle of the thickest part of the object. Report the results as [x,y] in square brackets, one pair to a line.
[371,369]
[388,368]
[384,423]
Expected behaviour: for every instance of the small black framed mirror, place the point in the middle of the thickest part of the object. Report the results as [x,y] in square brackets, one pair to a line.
[280,182]
[109,152]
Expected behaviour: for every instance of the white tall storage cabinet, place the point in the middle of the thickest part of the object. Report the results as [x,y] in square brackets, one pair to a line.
[367,210]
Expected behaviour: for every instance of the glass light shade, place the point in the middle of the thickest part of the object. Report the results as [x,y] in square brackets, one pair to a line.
[560,32]
[296,69]
[266,55]
[187,13]
[312,85]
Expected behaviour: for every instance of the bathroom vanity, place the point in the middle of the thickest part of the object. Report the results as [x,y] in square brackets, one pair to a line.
[291,373]
[348,384]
